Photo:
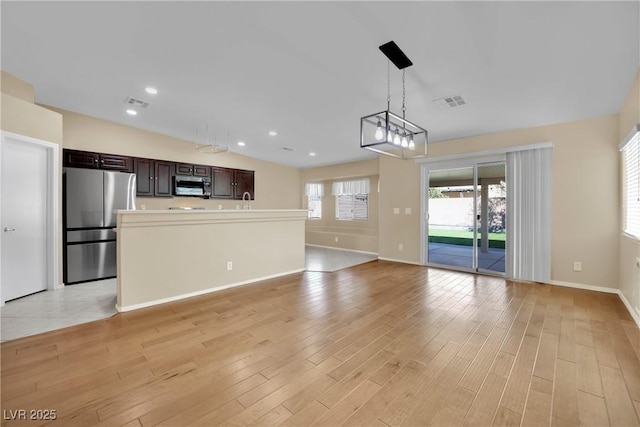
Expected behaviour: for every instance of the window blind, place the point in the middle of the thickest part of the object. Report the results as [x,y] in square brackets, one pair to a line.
[630,148]
[352,207]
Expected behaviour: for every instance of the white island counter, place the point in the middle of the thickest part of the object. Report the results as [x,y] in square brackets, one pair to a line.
[169,255]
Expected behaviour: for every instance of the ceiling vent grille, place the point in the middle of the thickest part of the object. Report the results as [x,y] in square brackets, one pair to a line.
[136,102]
[449,102]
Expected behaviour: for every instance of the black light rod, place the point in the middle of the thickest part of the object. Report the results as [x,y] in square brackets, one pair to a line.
[396,55]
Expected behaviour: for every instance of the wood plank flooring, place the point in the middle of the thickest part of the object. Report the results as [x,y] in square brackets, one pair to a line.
[379,344]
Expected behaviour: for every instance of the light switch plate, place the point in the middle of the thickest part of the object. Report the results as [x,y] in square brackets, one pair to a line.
[396,211]
[407,211]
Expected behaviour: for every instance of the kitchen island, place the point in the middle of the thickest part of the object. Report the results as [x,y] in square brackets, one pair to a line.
[167,255]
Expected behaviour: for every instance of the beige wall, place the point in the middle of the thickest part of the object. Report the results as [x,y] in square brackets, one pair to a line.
[167,255]
[585,202]
[18,114]
[11,85]
[630,248]
[354,235]
[276,186]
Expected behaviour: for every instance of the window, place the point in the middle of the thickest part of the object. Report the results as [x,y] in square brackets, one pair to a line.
[314,192]
[315,207]
[352,207]
[630,148]
[352,199]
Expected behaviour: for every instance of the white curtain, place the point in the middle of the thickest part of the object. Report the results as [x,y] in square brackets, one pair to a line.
[314,189]
[529,215]
[351,187]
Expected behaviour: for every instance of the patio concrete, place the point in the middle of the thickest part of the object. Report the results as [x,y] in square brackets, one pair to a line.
[461,256]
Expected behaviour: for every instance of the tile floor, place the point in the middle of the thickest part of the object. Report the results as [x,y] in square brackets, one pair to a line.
[75,304]
[50,310]
[328,259]
[461,256]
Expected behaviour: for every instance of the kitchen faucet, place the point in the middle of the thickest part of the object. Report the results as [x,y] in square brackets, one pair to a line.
[247,206]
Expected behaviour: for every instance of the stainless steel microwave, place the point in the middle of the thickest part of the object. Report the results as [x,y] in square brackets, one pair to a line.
[184,185]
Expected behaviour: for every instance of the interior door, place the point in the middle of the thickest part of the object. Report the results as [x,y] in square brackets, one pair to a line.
[24,219]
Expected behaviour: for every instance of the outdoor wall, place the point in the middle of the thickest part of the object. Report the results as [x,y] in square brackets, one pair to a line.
[585,201]
[276,186]
[629,247]
[21,116]
[354,235]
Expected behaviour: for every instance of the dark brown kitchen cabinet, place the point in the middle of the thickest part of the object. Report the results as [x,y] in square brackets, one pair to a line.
[221,183]
[243,182]
[194,170]
[118,163]
[89,160]
[81,159]
[153,177]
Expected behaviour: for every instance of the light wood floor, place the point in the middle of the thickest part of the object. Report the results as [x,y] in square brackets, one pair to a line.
[377,344]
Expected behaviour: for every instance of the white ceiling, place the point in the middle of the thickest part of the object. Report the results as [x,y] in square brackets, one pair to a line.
[310,70]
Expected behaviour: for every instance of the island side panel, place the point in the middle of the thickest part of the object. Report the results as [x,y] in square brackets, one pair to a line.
[163,258]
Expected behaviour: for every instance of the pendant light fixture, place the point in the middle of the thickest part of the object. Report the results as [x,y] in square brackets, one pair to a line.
[388,133]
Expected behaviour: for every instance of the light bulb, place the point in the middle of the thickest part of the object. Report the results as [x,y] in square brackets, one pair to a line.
[396,139]
[379,134]
[405,143]
[390,135]
[412,145]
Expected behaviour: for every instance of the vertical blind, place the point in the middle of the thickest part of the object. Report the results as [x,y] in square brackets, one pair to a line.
[529,215]
[630,148]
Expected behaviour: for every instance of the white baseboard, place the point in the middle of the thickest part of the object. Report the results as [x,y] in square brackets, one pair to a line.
[122,309]
[634,313]
[402,261]
[586,287]
[342,249]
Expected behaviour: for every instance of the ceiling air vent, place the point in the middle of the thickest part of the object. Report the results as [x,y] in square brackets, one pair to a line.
[449,102]
[136,102]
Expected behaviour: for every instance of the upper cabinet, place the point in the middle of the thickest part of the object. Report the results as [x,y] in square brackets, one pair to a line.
[155,177]
[85,159]
[222,183]
[194,170]
[244,183]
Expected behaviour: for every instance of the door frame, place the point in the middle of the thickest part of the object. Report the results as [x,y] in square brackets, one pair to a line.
[53,203]
[439,164]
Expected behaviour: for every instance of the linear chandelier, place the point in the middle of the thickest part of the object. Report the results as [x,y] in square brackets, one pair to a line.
[388,133]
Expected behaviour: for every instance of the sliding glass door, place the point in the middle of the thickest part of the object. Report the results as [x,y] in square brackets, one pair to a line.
[466,214]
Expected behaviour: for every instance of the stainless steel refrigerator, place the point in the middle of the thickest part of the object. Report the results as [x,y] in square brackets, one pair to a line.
[91,201]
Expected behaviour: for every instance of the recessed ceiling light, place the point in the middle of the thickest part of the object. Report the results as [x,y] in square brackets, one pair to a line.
[132,112]
[273,133]
[151,90]
[312,154]
[241,144]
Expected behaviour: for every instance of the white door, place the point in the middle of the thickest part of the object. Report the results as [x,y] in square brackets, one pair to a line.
[24,218]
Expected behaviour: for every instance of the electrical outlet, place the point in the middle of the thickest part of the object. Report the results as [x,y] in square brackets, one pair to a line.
[143,207]
[229,265]
[219,207]
[400,247]
[577,266]
[336,238]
